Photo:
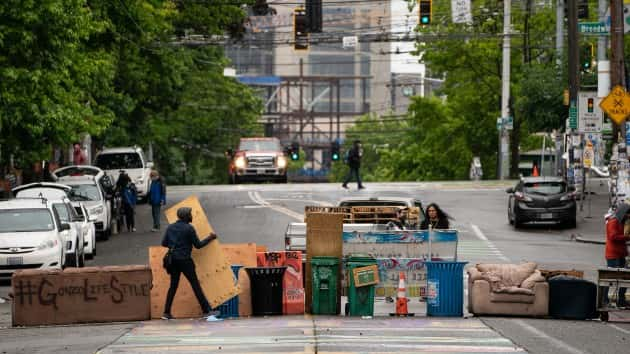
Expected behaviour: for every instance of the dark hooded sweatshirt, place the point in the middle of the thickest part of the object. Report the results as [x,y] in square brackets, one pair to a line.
[181,237]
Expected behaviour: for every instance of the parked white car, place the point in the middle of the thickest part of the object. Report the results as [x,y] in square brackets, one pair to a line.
[92,188]
[89,230]
[31,236]
[128,159]
[58,195]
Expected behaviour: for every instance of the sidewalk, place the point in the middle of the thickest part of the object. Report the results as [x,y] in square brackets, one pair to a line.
[591,223]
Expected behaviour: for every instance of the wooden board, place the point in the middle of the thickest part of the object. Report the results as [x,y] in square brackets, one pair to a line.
[212,266]
[552,273]
[323,238]
[245,255]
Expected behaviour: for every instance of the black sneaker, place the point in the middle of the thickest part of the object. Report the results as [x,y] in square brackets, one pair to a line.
[167,316]
[361,187]
[344,186]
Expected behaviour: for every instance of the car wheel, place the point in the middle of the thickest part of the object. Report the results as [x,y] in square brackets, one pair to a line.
[516,220]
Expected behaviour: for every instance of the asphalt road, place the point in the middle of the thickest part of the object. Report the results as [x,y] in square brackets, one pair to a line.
[260,214]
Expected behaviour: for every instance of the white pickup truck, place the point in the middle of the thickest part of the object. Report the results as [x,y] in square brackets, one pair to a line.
[363,215]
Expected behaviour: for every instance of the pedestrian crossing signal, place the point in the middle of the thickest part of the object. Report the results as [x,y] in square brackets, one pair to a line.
[425,11]
[589,105]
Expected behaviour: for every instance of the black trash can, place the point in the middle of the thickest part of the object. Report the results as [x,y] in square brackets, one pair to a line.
[572,298]
[266,283]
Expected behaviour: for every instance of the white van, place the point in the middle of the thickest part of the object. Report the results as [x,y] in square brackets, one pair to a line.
[130,160]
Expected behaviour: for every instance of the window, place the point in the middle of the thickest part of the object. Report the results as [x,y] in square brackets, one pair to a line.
[260,145]
[545,188]
[26,220]
[119,161]
[64,215]
[84,192]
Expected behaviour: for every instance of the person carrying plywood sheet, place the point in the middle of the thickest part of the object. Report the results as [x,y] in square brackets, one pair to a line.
[180,238]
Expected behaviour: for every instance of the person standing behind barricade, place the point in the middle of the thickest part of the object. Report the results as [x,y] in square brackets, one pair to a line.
[436,218]
[157,198]
[180,238]
[616,249]
[354,162]
[129,201]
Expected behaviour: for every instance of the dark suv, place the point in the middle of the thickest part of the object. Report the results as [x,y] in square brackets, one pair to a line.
[541,199]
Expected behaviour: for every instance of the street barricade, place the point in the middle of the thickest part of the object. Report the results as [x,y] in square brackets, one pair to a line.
[77,295]
[405,251]
[293,288]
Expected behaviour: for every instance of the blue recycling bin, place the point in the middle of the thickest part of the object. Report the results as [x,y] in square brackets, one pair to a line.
[445,288]
[230,308]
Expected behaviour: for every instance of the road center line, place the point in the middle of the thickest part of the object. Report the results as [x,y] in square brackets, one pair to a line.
[258,199]
[555,341]
[620,329]
[482,237]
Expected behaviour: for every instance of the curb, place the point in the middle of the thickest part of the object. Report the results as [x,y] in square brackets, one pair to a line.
[586,240]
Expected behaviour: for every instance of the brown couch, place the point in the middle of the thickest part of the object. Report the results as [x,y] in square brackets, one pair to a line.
[507,289]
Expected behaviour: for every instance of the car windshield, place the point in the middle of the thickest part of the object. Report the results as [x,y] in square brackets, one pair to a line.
[26,220]
[119,161]
[63,212]
[260,145]
[545,188]
[83,192]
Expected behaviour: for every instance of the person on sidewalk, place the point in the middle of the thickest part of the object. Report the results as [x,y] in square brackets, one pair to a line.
[180,238]
[436,218]
[129,201]
[78,156]
[616,249]
[354,162]
[157,198]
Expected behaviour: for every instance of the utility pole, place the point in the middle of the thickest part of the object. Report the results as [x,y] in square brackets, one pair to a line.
[574,86]
[618,77]
[504,160]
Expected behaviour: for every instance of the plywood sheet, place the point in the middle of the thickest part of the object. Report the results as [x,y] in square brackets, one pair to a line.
[212,266]
[323,238]
[245,255]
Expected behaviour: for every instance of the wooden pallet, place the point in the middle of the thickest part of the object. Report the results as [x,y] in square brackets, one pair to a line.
[552,273]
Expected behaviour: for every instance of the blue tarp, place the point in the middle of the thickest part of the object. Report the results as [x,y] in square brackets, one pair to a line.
[260,80]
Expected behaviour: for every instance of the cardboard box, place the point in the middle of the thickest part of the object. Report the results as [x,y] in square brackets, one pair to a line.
[77,295]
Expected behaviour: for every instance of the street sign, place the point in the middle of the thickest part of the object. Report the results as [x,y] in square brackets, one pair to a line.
[616,104]
[592,28]
[573,124]
[508,122]
[590,116]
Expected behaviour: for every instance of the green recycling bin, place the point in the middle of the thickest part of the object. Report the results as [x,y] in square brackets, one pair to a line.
[360,299]
[325,271]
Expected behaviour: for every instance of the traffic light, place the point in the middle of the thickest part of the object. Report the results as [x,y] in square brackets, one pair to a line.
[314,14]
[425,11]
[295,151]
[334,151]
[300,29]
[590,103]
[586,57]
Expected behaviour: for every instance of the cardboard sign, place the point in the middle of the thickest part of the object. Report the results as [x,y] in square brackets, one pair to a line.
[364,276]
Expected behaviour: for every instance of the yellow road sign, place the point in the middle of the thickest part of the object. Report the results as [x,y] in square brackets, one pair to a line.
[616,104]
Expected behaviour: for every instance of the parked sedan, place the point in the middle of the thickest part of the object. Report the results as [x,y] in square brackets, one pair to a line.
[541,199]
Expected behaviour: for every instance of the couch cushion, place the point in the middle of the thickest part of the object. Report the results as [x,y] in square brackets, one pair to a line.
[534,278]
[510,274]
[516,298]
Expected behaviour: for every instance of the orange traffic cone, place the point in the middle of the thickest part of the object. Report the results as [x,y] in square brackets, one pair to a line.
[535,171]
[401,298]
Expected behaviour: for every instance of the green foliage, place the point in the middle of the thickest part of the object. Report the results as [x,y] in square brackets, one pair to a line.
[110,69]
